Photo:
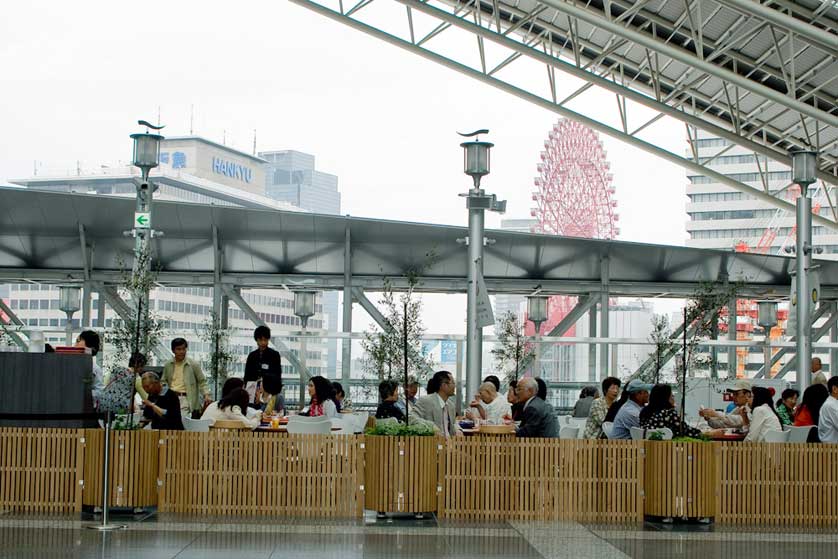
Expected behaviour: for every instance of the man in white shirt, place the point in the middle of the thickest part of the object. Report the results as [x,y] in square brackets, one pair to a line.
[741,393]
[438,406]
[817,372]
[489,406]
[828,422]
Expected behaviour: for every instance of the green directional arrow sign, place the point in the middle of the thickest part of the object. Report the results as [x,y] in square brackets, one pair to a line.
[142,220]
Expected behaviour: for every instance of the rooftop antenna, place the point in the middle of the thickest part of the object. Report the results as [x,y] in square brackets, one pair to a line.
[224,137]
[191,119]
[35,167]
[158,115]
[254,142]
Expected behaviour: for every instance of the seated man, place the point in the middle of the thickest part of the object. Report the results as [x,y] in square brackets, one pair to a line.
[629,414]
[733,419]
[493,407]
[162,407]
[388,391]
[438,406]
[538,419]
[828,424]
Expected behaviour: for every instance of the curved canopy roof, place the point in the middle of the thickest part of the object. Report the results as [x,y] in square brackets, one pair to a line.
[42,235]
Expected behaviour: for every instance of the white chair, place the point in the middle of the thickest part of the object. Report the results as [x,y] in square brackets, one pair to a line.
[579,423]
[636,433]
[777,436]
[665,432]
[568,432]
[359,421]
[798,434]
[564,420]
[608,428]
[301,425]
[196,425]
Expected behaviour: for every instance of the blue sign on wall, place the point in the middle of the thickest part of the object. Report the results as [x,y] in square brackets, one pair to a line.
[178,160]
[232,170]
[164,157]
[448,353]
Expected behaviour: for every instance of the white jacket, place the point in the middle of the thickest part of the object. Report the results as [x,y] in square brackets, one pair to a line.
[762,420]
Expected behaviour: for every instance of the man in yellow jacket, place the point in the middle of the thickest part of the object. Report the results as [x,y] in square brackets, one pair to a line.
[185,378]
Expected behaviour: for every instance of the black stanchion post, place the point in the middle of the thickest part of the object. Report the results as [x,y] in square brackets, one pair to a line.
[106,482]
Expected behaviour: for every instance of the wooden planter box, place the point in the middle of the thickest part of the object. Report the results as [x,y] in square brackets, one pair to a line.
[402,474]
[680,479]
[133,468]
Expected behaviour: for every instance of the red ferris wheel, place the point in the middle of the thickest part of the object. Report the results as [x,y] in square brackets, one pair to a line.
[573,197]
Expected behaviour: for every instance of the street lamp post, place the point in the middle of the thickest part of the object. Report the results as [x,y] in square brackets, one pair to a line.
[476,163]
[69,301]
[146,156]
[804,167]
[304,302]
[767,318]
[537,314]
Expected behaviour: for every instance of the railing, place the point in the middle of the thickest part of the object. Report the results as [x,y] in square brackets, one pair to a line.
[478,478]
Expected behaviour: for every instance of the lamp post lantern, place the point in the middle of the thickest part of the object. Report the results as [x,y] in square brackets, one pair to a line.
[304,306]
[476,164]
[804,166]
[69,301]
[537,314]
[146,156]
[767,318]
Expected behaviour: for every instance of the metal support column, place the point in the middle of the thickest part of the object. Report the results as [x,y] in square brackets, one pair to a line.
[474,333]
[833,337]
[346,347]
[461,396]
[803,262]
[604,362]
[714,351]
[592,376]
[87,288]
[731,335]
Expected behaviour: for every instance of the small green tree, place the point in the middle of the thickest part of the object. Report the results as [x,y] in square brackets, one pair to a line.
[513,353]
[661,337]
[142,329]
[220,356]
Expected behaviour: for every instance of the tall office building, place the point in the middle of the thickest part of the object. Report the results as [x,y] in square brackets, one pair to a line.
[721,217]
[290,177]
[193,170]
[724,218]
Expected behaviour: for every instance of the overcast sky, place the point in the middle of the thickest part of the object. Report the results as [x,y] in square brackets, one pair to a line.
[77,75]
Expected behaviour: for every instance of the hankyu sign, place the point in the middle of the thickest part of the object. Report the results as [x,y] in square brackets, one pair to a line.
[142,220]
[232,170]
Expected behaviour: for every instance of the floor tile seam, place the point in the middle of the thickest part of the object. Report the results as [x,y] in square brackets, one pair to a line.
[772,537]
[581,533]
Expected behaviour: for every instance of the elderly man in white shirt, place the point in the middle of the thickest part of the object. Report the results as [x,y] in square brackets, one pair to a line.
[828,422]
[488,405]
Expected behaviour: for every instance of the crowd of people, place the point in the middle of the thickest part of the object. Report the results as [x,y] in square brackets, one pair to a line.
[181,391]
[524,405]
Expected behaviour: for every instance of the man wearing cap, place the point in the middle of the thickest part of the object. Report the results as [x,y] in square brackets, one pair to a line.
[741,397]
[629,414]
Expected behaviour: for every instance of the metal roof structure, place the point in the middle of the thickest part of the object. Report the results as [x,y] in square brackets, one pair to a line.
[760,74]
[62,237]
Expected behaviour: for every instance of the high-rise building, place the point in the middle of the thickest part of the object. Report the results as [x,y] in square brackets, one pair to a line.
[721,217]
[290,176]
[193,170]
[724,218]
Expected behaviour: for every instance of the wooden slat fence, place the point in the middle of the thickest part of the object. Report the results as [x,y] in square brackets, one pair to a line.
[495,478]
[242,473]
[680,479]
[40,470]
[402,473]
[792,484]
[480,478]
[133,466]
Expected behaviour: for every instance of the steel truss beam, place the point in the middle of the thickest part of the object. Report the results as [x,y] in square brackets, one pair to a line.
[821,310]
[427,284]
[643,85]
[13,321]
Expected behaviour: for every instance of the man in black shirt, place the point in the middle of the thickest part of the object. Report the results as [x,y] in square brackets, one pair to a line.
[264,360]
[162,407]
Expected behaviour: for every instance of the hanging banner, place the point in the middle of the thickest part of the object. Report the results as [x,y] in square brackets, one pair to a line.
[485,316]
